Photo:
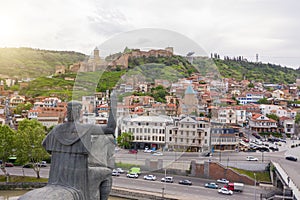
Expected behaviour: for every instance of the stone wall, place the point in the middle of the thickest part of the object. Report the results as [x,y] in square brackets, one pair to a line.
[213,170]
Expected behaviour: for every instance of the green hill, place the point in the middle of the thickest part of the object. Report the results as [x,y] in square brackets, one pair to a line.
[25,62]
[240,69]
[28,62]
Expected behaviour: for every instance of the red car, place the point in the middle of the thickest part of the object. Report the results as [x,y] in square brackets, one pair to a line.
[9,165]
[246,140]
[133,151]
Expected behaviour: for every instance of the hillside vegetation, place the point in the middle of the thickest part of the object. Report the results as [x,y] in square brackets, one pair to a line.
[31,63]
[84,84]
[26,62]
[240,69]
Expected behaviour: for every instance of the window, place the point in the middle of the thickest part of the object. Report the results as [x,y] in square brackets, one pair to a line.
[170,139]
[205,134]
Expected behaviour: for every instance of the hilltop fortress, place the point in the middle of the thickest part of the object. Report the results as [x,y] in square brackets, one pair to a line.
[120,60]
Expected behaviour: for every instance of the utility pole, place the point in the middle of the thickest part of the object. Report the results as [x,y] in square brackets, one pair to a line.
[164,185]
[255,186]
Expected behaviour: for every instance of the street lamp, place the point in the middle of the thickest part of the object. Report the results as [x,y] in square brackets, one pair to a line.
[164,185]
[255,186]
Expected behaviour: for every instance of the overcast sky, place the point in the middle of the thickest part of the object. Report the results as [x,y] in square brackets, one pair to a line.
[270,28]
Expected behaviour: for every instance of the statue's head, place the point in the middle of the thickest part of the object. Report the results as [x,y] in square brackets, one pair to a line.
[73,111]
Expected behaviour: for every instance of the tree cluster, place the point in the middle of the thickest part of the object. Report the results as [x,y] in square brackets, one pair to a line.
[25,144]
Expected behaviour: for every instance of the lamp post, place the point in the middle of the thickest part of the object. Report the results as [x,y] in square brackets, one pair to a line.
[255,186]
[164,185]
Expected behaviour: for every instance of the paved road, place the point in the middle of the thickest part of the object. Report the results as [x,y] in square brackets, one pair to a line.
[172,189]
[182,191]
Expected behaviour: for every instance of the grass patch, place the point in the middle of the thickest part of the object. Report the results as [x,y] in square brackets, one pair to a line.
[20,179]
[126,165]
[262,176]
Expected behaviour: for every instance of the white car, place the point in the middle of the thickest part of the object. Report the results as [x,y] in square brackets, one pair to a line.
[148,151]
[225,191]
[120,170]
[157,153]
[150,177]
[132,175]
[167,179]
[251,158]
[223,180]
[115,173]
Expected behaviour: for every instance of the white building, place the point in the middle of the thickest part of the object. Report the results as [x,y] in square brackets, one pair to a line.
[229,115]
[147,131]
[288,125]
[250,97]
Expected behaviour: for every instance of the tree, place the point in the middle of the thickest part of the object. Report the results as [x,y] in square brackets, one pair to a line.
[22,106]
[297,118]
[30,135]
[263,101]
[273,116]
[159,94]
[250,85]
[125,139]
[7,138]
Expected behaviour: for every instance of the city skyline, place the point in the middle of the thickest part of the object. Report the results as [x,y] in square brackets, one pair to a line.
[235,28]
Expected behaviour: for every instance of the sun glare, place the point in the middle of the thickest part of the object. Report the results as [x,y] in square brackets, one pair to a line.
[7,28]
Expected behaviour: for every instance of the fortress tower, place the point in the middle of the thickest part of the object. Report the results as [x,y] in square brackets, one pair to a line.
[96,54]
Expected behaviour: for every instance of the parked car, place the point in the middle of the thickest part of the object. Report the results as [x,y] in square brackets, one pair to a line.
[291,158]
[211,185]
[132,175]
[157,153]
[28,165]
[225,191]
[115,173]
[133,151]
[223,180]
[147,150]
[8,164]
[208,154]
[185,182]
[274,148]
[167,179]
[42,164]
[120,170]
[150,177]
[263,149]
[251,158]
[246,140]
